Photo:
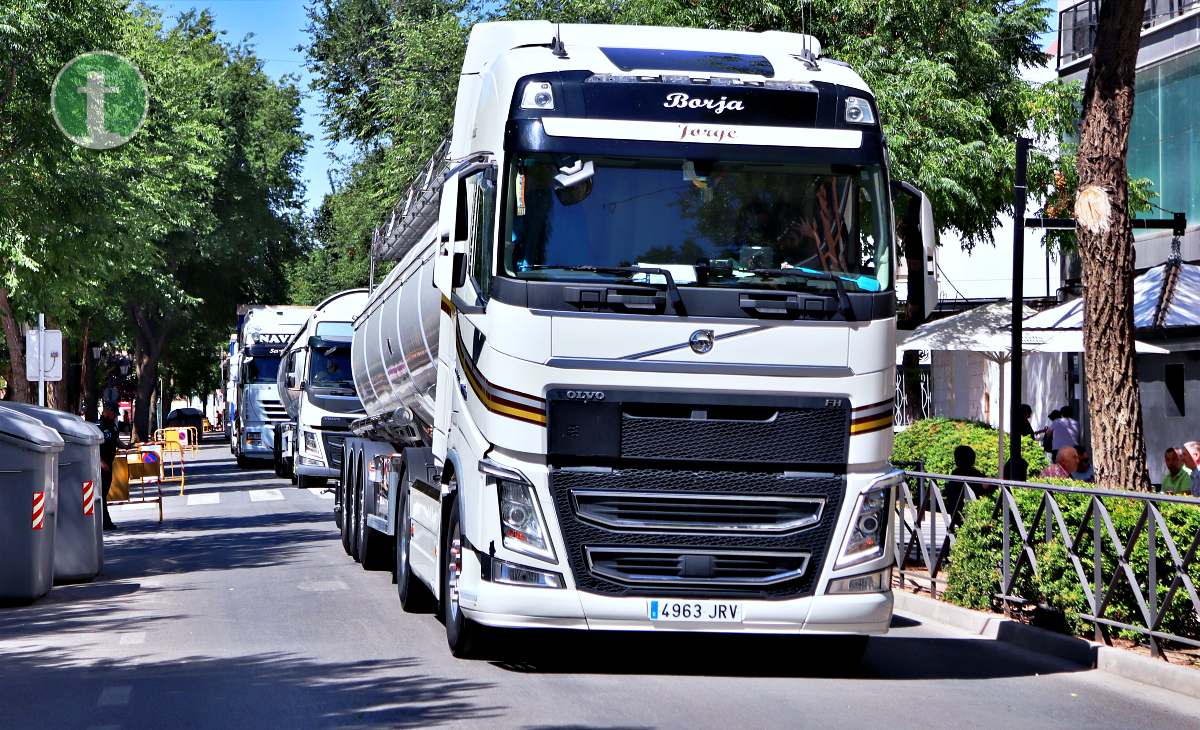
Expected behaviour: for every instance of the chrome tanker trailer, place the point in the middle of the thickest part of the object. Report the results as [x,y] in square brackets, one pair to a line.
[634,367]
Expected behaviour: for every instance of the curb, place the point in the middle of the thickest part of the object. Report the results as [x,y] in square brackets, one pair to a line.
[1112,660]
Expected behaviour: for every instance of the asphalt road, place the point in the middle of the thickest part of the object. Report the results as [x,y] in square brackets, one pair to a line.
[242,610]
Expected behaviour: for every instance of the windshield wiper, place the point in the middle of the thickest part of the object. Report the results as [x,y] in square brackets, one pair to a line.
[845,308]
[672,290]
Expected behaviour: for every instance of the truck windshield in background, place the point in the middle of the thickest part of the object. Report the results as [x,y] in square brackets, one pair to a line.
[261,370]
[725,223]
[329,369]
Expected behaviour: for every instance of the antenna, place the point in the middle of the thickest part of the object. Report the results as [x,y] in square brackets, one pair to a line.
[556,45]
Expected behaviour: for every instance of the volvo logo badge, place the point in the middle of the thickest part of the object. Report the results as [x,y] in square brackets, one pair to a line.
[701,341]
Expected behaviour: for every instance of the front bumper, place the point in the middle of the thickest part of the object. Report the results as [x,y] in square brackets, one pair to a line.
[311,470]
[502,605]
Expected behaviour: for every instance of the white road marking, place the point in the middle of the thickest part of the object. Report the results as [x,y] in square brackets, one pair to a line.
[265,495]
[110,696]
[133,638]
[210,498]
[320,493]
[134,506]
[321,586]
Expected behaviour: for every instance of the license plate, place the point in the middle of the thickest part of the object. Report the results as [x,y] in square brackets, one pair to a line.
[670,610]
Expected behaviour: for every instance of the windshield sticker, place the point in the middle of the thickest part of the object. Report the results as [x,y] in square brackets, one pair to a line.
[520,193]
[702,133]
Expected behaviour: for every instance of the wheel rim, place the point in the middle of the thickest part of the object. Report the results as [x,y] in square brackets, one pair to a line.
[453,571]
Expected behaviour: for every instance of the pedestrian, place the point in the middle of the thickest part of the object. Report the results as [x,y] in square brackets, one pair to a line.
[108,454]
[1066,461]
[1191,457]
[1083,472]
[1178,479]
[1047,437]
[1065,431]
[1024,426]
[955,491]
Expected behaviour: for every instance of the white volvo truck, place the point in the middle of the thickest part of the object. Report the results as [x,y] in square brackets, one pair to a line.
[316,389]
[634,367]
[263,330]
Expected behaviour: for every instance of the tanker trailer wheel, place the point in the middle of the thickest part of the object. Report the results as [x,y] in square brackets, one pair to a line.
[373,550]
[347,513]
[463,635]
[414,596]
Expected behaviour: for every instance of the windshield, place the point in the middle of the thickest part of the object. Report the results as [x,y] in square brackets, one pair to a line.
[728,223]
[261,369]
[329,367]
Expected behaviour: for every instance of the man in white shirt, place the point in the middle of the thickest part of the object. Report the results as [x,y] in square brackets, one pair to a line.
[1065,431]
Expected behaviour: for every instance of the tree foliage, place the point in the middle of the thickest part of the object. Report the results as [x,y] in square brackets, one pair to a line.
[155,242]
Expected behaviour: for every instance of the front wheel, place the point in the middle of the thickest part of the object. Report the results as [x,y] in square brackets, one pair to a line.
[463,635]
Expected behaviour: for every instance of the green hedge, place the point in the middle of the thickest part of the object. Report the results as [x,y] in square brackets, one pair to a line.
[933,440]
[974,572]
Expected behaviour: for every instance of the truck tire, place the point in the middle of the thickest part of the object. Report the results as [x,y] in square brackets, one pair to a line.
[414,596]
[352,514]
[277,458]
[463,635]
[373,548]
[243,462]
[343,506]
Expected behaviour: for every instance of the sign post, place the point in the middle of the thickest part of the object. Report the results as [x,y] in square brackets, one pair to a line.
[43,357]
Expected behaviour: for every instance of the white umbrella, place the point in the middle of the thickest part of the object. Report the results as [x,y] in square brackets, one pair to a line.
[985,329]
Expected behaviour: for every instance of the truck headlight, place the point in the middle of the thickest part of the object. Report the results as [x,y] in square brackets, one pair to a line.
[310,443]
[858,111]
[876,582]
[537,95]
[521,521]
[868,530]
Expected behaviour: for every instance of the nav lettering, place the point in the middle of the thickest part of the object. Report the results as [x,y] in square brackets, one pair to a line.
[680,100]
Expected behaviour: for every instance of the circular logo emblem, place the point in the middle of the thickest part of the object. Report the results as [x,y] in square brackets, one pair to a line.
[701,341]
[99,100]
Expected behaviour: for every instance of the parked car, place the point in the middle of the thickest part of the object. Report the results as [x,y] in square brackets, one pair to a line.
[183,417]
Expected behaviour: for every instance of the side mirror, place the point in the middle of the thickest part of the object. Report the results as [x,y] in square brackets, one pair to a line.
[303,385]
[290,382]
[915,224]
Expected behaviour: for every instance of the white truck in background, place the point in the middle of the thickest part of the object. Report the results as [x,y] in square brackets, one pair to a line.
[316,388]
[634,366]
[262,332]
[229,377]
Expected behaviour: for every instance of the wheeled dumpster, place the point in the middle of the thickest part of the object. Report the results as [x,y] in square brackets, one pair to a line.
[29,454]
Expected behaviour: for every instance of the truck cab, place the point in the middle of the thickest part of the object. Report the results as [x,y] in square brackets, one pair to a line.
[316,387]
[634,368]
[262,333]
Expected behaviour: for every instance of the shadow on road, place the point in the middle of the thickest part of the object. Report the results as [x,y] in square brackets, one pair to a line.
[887,657]
[257,691]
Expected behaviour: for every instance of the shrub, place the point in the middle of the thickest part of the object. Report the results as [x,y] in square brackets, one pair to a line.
[974,572]
[933,440]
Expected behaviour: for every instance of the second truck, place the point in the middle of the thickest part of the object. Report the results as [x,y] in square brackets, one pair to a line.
[634,366]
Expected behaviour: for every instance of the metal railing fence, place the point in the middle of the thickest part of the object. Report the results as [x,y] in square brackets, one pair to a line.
[1103,562]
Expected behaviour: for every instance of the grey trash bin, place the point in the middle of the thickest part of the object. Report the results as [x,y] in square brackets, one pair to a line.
[79,542]
[28,505]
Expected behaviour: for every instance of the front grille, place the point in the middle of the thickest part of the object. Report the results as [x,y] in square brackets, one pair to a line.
[334,447]
[754,432]
[274,410]
[628,557]
[696,512]
[696,567]
[757,435]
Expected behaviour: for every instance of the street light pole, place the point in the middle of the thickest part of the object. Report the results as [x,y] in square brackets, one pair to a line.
[1020,191]
[41,360]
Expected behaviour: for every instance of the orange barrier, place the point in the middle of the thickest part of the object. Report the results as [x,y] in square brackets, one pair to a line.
[171,442]
[137,478]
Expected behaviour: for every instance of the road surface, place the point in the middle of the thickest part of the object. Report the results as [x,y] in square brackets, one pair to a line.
[242,611]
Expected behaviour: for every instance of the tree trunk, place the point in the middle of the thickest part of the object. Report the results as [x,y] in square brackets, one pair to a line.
[149,335]
[87,372]
[19,384]
[914,310]
[1106,249]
